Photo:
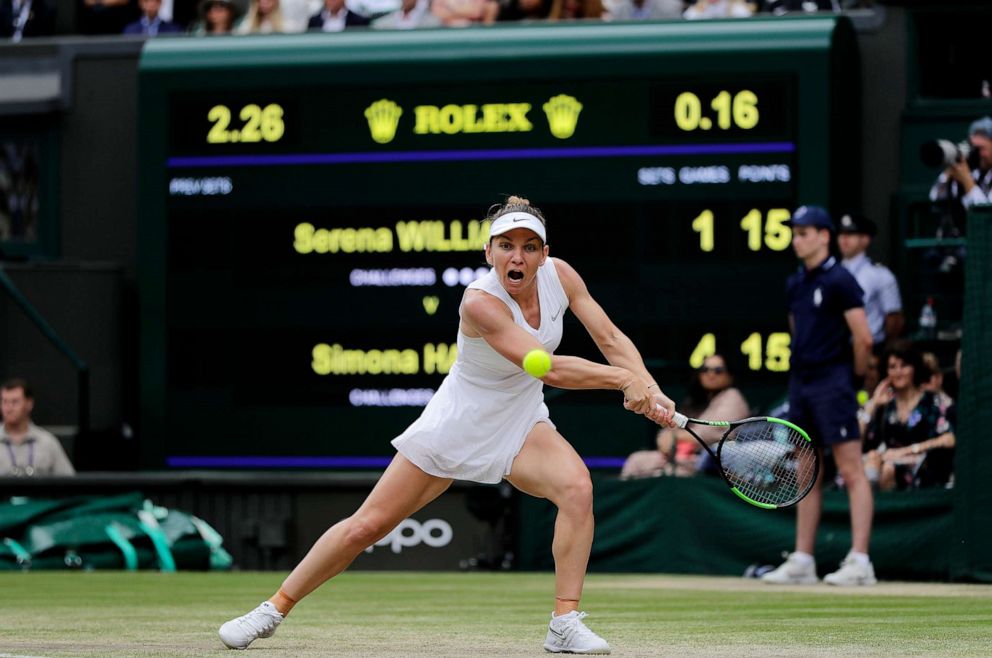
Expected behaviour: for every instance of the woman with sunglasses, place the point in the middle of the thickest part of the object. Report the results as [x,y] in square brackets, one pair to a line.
[713,396]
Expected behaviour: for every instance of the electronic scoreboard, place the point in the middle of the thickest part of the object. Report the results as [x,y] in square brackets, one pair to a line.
[313,206]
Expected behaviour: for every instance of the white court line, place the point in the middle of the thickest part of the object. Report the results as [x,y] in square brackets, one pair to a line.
[17,655]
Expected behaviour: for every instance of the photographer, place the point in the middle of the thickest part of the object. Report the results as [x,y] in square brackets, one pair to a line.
[968,176]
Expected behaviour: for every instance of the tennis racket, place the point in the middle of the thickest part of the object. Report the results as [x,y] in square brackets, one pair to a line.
[768,462]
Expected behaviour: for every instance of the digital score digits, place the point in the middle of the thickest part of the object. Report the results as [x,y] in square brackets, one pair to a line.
[757,231]
[771,352]
[739,110]
[257,124]
[763,229]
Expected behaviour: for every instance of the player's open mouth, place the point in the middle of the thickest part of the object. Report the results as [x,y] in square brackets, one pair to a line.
[515,275]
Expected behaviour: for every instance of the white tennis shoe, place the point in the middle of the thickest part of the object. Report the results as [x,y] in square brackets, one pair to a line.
[567,634]
[794,571]
[260,622]
[852,573]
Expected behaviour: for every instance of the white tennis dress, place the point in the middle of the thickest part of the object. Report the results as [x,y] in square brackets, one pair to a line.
[477,422]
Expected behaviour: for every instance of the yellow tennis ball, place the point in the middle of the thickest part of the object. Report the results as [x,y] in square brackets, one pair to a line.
[862,398]
[537,363]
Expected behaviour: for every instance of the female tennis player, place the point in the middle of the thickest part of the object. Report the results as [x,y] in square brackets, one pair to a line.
[488,421]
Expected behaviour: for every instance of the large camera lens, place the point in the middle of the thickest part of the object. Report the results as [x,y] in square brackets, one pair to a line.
[939,153]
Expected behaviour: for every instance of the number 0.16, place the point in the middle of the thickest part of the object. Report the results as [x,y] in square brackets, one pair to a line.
[738,110]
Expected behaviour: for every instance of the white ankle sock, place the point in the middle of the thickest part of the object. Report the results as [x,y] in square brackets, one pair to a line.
[802,558]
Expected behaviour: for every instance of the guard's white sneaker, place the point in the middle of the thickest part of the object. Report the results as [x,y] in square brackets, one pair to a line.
[260,622]
[852,573]
[567,634]
[794,571]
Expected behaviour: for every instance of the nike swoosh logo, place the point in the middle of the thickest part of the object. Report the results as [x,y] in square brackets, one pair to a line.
[520,219]
[554,318]
[556,633]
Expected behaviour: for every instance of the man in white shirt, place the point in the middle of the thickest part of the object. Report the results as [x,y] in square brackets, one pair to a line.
[25,448]
[883,303]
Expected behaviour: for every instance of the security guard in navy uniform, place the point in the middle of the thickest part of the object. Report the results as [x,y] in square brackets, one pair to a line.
[831,342]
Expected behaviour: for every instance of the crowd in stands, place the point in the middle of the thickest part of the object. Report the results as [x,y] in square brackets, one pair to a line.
[32,18]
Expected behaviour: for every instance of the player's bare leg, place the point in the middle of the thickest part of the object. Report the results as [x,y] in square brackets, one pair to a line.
[402,490]
[548,467]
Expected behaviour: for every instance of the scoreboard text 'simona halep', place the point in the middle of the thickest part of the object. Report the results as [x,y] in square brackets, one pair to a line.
[313,207]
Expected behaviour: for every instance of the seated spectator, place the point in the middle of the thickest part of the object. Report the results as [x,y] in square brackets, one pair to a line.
[462,13]
[411,15]
[150,24]
[25,448]
[335,17]
[216,17]
[908,439]
[712,396]
[263,17]
[26,18]
[641,10]
[575,9]
[718,9]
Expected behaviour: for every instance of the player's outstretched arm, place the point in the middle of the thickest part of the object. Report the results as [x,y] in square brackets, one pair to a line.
[618,349]
[484,315]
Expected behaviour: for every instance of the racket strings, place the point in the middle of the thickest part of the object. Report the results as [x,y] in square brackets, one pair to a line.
[769,462]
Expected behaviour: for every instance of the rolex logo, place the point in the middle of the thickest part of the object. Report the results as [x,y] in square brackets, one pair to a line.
[563,115]
[383,117]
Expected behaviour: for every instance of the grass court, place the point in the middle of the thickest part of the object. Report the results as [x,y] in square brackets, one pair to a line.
[486,614]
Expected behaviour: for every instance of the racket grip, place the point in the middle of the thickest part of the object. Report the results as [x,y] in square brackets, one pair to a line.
[679,419]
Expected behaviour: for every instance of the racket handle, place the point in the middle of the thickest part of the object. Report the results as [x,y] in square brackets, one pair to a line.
[679,419]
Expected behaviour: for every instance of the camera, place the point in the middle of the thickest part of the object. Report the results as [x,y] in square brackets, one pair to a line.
[943,153]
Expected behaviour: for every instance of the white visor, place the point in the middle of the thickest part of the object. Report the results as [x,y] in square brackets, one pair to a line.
[513,220]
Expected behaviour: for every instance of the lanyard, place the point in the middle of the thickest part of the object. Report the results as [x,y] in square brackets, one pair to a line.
[20,21]
[19,470]
[151,25]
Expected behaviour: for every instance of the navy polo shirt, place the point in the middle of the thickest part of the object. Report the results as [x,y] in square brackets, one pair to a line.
[818,299]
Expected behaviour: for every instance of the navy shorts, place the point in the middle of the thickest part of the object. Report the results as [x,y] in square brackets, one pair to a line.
[824,404]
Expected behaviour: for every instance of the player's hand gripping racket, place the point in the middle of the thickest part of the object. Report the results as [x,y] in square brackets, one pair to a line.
[768,462]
